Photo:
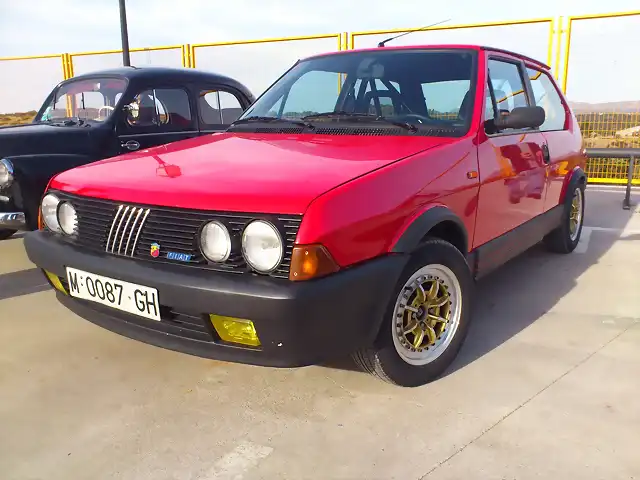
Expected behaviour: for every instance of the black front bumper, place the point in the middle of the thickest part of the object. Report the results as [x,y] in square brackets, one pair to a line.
[298,323]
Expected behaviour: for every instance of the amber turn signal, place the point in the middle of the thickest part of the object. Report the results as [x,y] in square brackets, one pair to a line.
[311,261]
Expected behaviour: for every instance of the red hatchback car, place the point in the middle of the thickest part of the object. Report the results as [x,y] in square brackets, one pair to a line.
[349,210]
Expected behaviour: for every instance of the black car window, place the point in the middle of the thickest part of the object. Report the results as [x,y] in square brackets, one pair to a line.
[218,107]
[163,108]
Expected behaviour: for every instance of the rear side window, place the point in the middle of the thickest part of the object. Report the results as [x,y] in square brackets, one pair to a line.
[218,107]
[164,108]
[547,97]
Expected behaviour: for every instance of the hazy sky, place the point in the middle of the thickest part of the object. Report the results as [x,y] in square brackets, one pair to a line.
[34,27]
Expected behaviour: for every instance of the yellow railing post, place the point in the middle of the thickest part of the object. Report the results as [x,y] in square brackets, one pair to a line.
[70,65]
[186,56]
[559,32]
[192,56]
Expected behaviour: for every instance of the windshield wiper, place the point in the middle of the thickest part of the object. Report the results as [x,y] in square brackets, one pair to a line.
[363,116]
[258,119]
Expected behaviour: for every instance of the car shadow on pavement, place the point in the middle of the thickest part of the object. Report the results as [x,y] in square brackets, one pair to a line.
[520,292]
[23,282]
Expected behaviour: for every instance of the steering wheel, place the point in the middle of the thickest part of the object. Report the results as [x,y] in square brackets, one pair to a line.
[100,114]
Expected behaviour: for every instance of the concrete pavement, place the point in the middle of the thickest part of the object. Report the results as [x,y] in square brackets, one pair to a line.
[546,387]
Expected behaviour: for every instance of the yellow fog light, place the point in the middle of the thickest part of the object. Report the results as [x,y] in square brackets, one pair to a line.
[55,281]
[235,330]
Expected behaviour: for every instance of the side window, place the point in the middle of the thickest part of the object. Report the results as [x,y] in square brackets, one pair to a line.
[167,109]
[218,107]
[508,86]
[547,97]
[448,100]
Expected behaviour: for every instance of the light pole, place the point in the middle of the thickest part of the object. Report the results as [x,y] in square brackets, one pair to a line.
[126,60]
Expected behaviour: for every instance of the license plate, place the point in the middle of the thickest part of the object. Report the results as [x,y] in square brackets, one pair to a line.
[125,296]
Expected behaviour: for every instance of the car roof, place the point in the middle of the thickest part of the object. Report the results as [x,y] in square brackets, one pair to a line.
[147,73]
[438,47]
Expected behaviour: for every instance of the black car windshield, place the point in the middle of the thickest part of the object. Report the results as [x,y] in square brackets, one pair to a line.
[88,100]
[423,90]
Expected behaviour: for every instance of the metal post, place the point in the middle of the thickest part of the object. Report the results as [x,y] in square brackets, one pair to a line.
[626,203]
[126,61]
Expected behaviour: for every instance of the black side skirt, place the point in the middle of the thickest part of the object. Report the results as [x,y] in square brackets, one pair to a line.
[499,251]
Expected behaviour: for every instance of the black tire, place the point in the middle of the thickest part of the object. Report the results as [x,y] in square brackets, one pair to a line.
[560,240]
[382,358]
[4,234]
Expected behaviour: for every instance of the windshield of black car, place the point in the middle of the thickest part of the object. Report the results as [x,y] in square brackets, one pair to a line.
[431,89]
[87,100]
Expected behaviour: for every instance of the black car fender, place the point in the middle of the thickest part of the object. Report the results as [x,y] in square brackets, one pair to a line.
[438,220]
[32,174]
[577,177]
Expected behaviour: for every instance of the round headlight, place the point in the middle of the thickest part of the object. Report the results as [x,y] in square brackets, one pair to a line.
[50,212]
[215,242]
[6,173]
[67,218]
[262,246]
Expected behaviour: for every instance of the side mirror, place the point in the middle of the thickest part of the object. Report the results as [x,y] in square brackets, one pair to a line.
[521,117]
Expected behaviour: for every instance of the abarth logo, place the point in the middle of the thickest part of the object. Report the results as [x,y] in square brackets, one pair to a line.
[155,250]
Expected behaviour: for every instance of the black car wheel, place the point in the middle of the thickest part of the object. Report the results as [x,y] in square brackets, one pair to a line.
[565,238]
[426,321]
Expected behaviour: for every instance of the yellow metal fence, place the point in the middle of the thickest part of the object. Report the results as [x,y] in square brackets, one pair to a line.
[553,40]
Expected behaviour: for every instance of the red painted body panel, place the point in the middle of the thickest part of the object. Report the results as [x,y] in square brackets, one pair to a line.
[268,173]
[513,182]
[363,218]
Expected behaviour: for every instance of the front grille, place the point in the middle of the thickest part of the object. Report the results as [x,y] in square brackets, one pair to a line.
[131,230]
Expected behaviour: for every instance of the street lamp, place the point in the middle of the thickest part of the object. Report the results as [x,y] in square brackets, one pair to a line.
[126,61]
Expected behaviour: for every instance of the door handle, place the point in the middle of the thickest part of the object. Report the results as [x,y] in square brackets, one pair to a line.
[546,156]
[130,145]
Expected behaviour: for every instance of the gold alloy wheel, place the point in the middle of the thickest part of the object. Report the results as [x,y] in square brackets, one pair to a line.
[575,216]
[427,314]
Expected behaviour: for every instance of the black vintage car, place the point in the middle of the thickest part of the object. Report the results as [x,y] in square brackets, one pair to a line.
[104,114]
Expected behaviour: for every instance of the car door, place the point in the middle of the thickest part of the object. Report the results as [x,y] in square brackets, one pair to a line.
[218,107]
[563,145]
[157,116]
[511,162]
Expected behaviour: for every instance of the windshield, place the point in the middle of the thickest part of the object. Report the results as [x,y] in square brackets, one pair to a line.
[431,91]
[92,100]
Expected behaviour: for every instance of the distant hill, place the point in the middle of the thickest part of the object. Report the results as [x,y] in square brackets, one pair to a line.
[16,118]
[611,107]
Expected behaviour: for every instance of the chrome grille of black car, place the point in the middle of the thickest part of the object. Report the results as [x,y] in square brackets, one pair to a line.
[131,230]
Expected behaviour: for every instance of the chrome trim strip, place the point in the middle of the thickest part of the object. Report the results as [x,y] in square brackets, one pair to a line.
[12,220]
[144,219]
[133,227]
[115,237]
[113,223]
[124,230]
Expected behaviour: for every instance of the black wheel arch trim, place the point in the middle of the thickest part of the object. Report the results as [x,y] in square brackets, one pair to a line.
[425,222]
[577,176]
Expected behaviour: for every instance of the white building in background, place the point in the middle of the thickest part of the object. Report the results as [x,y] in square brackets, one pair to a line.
[629,132]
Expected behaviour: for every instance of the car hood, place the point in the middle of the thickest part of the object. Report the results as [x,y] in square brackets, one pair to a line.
[36,138]
[237,172]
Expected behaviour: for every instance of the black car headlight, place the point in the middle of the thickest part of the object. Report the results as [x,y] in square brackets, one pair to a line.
[6,173]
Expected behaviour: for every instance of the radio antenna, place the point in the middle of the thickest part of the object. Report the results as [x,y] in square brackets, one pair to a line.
[381,44]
